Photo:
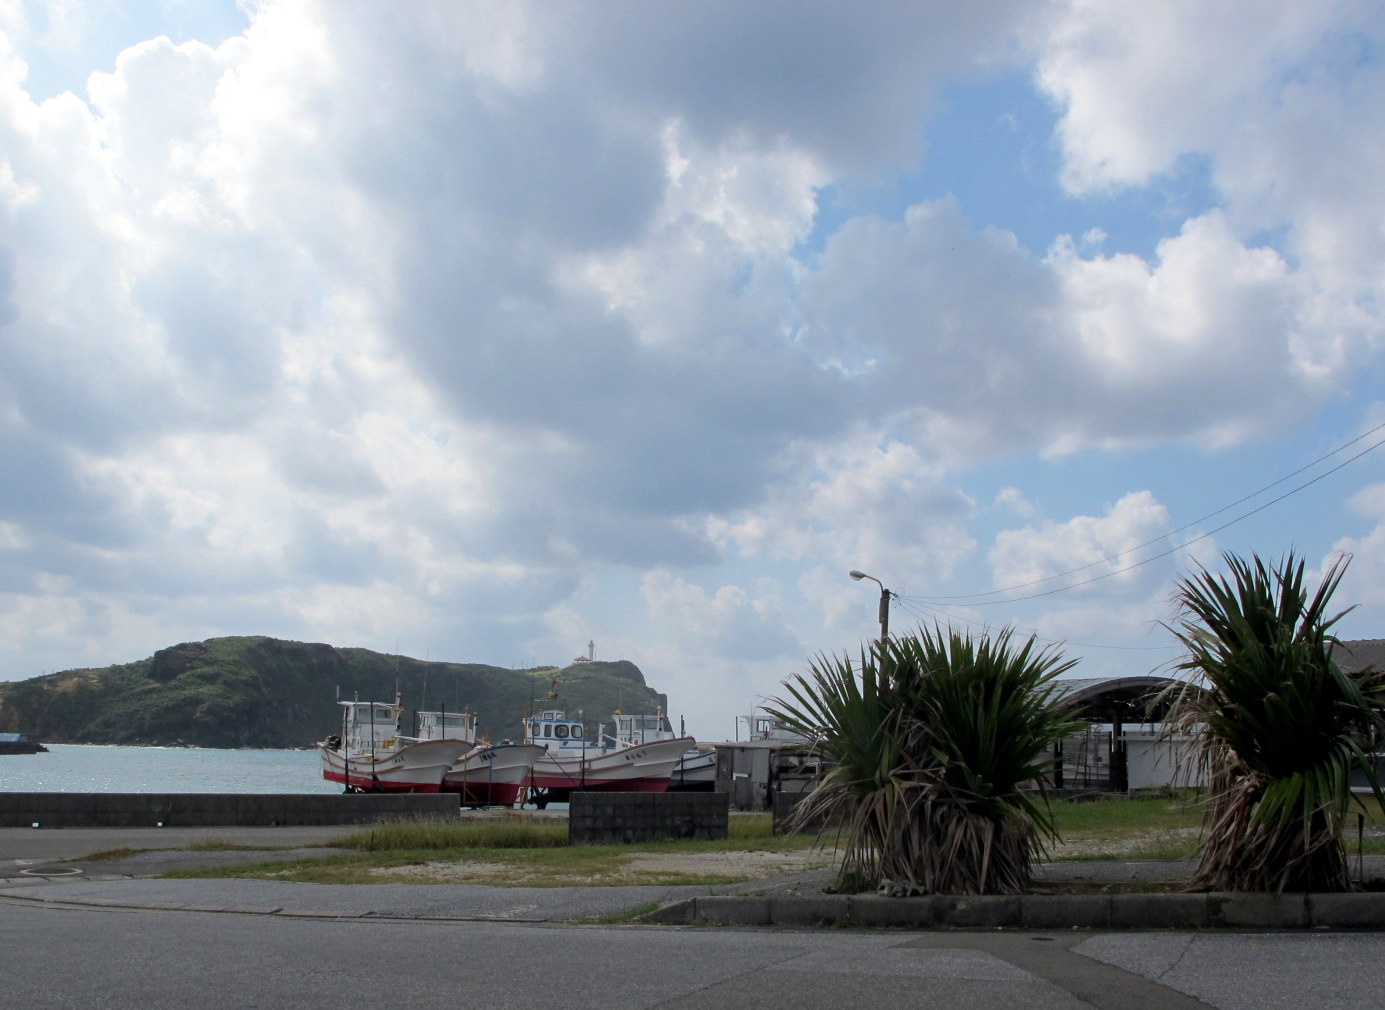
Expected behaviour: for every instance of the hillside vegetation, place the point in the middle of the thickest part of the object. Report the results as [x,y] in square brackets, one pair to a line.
[264,692]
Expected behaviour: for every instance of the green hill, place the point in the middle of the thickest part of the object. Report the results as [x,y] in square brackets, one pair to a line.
[264,692]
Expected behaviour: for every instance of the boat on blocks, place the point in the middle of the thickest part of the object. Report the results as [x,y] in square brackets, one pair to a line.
[696,770]
[570,762]
[486,775]
[369,755]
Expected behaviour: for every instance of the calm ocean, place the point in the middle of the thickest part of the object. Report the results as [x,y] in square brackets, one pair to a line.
[74,768]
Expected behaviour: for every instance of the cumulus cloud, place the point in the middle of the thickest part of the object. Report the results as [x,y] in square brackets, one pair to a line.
[1364,581]
[1047,556]
[1111,67]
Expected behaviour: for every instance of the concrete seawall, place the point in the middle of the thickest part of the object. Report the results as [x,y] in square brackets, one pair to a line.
[124,810]
[624,818]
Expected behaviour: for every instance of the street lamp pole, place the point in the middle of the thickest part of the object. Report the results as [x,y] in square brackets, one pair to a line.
[884,602]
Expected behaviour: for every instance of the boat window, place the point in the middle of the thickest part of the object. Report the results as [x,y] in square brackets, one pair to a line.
[560,732]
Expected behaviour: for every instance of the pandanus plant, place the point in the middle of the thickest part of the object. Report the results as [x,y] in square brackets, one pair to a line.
[1278,726]
[938,748]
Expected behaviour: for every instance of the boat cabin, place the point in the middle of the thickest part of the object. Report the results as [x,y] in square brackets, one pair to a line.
[370,726]
[633,730]
[447,726]
[552,728]
[763,727]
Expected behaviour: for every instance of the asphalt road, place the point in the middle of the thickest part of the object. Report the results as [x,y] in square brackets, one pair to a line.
[69,957]
[81,940]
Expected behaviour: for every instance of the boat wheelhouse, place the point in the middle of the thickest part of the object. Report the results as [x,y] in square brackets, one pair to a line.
[447,726]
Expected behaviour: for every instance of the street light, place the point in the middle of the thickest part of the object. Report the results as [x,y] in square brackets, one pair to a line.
[885,595]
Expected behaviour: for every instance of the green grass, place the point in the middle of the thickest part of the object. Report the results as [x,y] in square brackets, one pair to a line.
[424,834]
[112,855]
[1164,827]
[512,850]
[525,851]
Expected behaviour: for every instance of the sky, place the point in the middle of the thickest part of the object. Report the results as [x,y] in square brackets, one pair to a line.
[481,331]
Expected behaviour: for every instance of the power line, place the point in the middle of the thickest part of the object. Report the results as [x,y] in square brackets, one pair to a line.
[921,612]
[1172,550]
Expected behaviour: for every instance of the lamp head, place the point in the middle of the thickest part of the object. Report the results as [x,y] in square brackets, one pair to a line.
[856,576]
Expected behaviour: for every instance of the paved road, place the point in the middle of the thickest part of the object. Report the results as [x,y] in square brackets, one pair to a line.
[65,957]
[82,941]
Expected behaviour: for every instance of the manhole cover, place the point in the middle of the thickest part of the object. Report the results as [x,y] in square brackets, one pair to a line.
[57,871]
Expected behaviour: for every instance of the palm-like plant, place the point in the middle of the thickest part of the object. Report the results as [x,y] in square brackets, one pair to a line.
[1278,725]
[935,749]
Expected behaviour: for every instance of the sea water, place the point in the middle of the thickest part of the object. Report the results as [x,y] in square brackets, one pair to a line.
[78,768]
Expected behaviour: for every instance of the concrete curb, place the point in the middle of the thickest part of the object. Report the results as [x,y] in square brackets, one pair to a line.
[1217,910]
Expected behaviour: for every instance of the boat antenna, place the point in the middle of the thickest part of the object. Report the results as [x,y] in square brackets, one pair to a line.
[374,779]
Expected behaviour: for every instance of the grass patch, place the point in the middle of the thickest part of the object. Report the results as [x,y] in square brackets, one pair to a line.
[1136,828]
[432,834]
[1160,827]
[111,855]
[519,850]
[620,918]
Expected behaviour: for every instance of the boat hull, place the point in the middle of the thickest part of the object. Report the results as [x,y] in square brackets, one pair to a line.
[492,776]
[696,771]
[416,768]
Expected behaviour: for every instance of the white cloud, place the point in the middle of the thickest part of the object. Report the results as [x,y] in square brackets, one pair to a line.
[1364,581]
[1141,84]
[1014,500]
[453,320]
[729,621]
[1048,555]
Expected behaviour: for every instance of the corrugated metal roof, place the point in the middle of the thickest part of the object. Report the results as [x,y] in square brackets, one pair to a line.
[1361,654]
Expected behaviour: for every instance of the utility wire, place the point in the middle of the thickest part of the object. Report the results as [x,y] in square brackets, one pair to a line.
[934,613]
[1187,526]
[1161,554]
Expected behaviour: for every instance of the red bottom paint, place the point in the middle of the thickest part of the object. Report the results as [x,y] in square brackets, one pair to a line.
[366,784]
[557,782]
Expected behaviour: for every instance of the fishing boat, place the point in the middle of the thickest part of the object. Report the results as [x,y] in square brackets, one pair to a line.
[696,769]
[570,762]
[18,743]
[369,755]
[486,775]
[492,776]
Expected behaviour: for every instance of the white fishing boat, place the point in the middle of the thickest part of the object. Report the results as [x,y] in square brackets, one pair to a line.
[696,769]
[486,775]
[492,776]
[572,762]
[447,726]
[369,755]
